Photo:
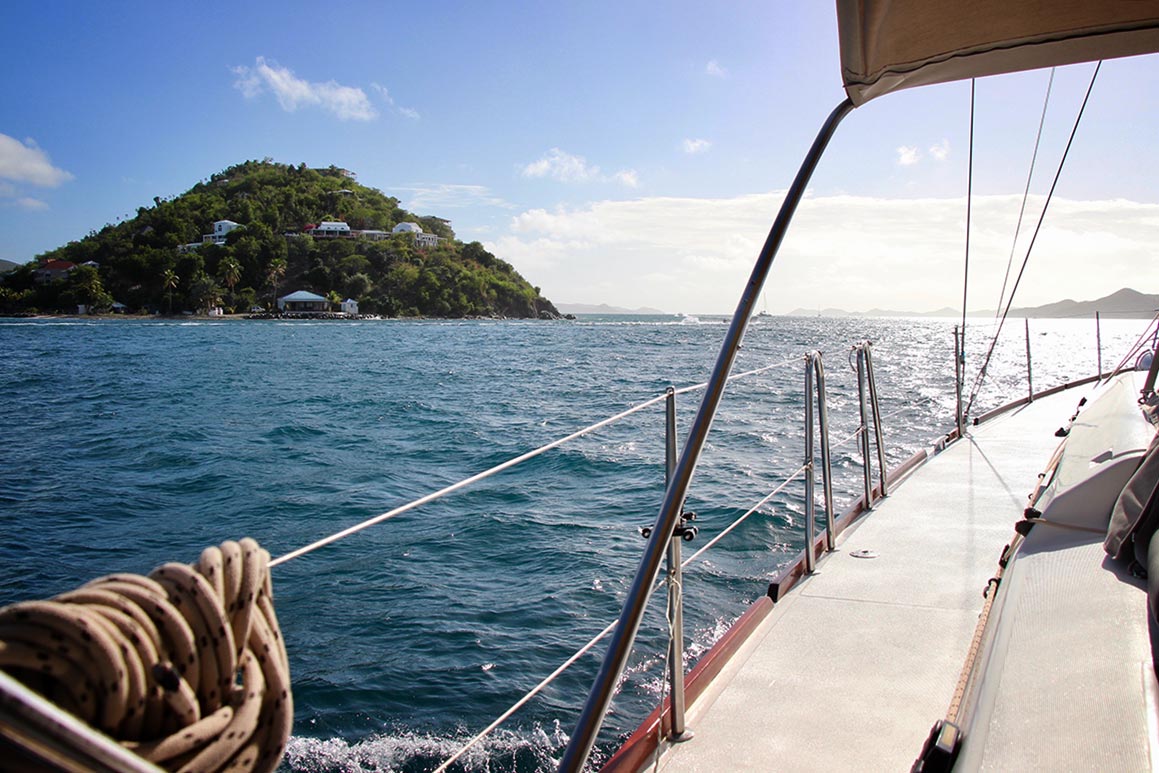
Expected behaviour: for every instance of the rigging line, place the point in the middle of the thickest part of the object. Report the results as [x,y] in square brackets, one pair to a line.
[667,687]
[1136,347]
[735,376]
[740,520]
[1025,194]
[463,483]
[856,434]
[969,206]
[497,469]
[1033,238]
[523,701]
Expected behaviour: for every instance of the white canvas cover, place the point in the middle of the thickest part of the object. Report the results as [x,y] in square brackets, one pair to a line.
[888,45]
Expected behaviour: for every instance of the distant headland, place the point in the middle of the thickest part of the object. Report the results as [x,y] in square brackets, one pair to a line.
[603,308]
[1125,303]
[254,233]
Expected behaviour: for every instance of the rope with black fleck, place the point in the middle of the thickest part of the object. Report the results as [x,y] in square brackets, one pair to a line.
[185,667]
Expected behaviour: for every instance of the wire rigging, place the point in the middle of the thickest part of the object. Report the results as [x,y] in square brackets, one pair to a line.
[1034,237]
[504,466]
[969,203]
[1025,194]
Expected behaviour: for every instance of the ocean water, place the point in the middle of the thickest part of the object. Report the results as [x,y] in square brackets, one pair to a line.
[131,443]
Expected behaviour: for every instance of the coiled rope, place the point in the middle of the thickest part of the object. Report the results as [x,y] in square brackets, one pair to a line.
[185,667]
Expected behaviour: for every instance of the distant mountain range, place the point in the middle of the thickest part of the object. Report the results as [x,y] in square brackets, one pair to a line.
[7,265]
[602,308]
[1125,303]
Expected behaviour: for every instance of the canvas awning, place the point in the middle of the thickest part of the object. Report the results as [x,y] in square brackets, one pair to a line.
[888,45]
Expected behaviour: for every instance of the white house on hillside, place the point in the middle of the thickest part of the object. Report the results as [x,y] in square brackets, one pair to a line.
[331,229]
[421,239]
[220,229]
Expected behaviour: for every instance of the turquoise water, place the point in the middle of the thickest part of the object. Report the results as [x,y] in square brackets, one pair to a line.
[130,443]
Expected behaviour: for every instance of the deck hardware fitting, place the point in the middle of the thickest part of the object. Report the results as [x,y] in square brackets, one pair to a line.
[940,749]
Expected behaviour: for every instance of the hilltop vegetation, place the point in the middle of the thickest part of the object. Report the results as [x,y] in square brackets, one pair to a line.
[142,264]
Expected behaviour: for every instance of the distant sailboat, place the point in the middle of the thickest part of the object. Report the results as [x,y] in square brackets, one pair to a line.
[764,312]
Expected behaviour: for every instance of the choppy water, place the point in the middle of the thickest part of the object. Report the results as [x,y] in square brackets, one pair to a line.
[131,443]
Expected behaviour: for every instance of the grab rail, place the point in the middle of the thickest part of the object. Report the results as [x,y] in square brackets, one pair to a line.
[813,367]
[675,580]
[864,354]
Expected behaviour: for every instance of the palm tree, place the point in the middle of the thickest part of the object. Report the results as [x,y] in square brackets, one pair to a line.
[169,281]
[274,273]
[229,272]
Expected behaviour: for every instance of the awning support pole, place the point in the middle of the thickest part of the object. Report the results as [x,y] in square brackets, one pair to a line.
[592,717]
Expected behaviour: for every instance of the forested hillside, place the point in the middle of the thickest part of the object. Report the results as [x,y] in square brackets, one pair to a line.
[155,262]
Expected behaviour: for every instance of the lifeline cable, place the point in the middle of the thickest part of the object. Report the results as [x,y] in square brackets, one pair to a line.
[501,467]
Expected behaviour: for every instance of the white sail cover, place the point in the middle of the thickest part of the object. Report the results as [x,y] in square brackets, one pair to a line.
[888,45]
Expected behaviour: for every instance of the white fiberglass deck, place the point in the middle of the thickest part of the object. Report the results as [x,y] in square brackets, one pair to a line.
[850,670]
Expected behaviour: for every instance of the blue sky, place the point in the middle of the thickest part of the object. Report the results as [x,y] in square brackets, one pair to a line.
[616,152]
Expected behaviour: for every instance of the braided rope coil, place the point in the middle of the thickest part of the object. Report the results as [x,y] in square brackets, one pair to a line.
[185,667]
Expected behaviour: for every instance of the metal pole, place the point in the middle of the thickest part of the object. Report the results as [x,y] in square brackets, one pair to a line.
[865,463]
[669,435]
[877,431]
[826,467]
[1099,343]
[810,505]
[620,647]
[959,360]
[675,583]
[1029,369]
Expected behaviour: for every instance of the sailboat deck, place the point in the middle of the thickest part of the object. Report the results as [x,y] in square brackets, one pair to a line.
[852,667]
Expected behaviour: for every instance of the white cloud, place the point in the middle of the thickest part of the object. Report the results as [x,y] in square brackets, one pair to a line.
[562,166]
[438,196]
[405,112]
[715,69]
[854,252]
[692,146]
[26,202]
[565,167]
[629,178]
[907,155]
[941,151]
[25,162]
[345,102]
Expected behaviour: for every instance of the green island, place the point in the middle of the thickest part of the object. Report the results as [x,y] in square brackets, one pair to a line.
[262,231]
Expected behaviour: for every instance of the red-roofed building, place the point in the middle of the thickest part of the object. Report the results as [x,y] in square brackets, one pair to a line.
[53,269]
